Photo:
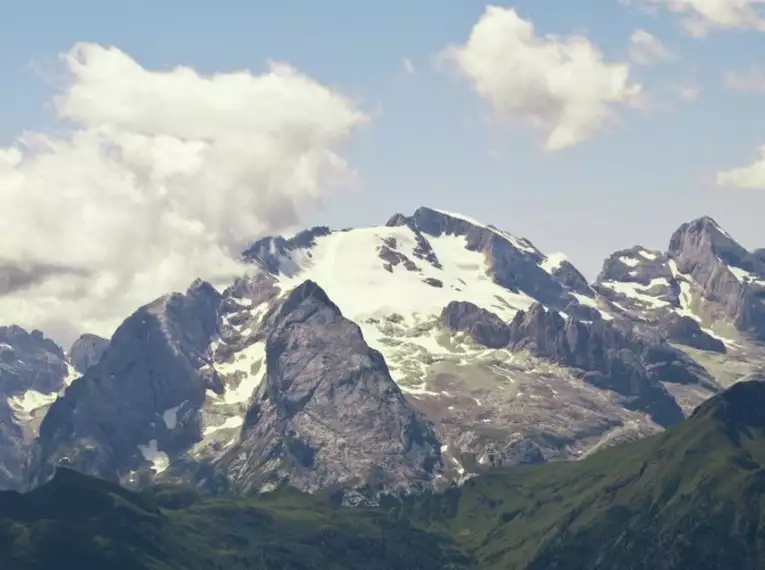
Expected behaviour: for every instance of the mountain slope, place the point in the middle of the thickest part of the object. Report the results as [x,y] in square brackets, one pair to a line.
[75,521]
[693,497]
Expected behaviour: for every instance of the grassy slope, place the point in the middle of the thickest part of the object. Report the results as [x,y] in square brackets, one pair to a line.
[691,498]
[77,522]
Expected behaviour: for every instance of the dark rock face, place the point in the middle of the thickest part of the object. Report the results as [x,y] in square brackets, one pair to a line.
[688,332]
[483,326]
[739,407]
[392,258]
[87,351]
[328,412]
[637,265]
[570,277]
[152,365]
[28,362]
[608,358]
[269,252]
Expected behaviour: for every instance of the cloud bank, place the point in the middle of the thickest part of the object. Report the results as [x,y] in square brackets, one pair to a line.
[160,177]
[562,85]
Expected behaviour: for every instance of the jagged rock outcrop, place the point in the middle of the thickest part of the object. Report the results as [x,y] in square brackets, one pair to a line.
[86,351]
[608,358]
[327,413]
[33,370]
[483,326]
[106,418]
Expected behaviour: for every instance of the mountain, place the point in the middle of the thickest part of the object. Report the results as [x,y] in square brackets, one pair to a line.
[306,402]
[690,497]
[33,371]
[404,357]
[706,294]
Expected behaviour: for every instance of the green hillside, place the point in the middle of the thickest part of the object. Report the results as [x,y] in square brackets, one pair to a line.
[691,498]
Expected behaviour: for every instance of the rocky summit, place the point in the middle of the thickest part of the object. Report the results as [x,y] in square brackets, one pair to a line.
[384,360]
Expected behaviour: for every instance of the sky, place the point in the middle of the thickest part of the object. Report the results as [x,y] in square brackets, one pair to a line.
[144,144]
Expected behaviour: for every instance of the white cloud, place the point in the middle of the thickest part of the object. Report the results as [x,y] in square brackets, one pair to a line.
[408,66]
[700,17]
[750,177]
[646,49]
[562,85]
[752,80]
[163,177]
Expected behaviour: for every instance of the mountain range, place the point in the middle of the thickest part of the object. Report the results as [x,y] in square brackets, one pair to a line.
[398,359]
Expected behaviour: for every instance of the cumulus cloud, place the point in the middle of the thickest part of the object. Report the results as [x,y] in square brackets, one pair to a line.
[752,81]
[750,177]
[560,84]
[647,49]
[160,177]
[700,17]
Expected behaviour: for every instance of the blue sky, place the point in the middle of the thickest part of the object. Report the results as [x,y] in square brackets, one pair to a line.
[430,140]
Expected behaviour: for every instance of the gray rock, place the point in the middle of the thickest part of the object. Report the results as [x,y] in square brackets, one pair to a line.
[607,357]
[153,364]
[29,363]
[483,326]
[269,252]
[328,413]
[87,351]
[704,251]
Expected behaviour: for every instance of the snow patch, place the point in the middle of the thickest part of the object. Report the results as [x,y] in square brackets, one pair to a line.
[552,262]
[637,292]
[30,401]
[589,302]
[170,417]
[230,423]
[158,459]
[71,375]
[629,261]
[649,255]
[244,362]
